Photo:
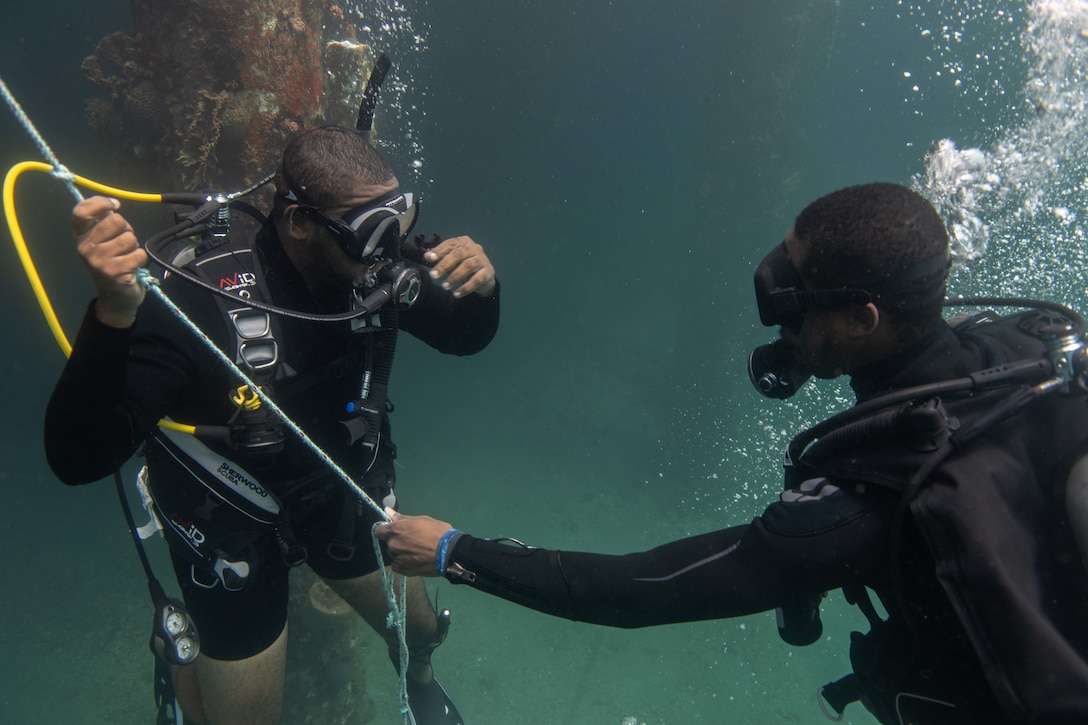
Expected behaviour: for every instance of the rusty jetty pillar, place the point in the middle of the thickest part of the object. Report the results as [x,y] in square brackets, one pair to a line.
[205,93]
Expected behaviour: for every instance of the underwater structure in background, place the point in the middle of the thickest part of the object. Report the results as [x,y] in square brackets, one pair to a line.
[205,93]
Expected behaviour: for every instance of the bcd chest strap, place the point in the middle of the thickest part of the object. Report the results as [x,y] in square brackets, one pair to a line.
[253,346]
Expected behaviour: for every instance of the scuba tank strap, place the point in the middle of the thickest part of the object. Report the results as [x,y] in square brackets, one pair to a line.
[293,553]
[847,689]
[838,695]
[237,270]
[342,546]
[858,595]
[252,343]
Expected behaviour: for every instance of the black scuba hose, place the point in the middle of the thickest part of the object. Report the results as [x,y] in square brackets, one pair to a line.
[383,370]
[155,254]
[1082,327]
[365,120]
[878,427]
[158,594]
[1018,372]
[144,562]
[208,206]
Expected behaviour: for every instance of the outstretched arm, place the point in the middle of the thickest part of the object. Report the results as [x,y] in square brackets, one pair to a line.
[726,573]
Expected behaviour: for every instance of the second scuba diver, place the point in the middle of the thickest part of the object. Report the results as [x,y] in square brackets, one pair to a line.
[953,489]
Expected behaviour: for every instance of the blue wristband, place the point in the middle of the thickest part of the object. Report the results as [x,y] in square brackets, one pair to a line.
[442,552]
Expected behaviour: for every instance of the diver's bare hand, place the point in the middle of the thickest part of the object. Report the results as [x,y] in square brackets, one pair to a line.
[412,541]
[112,254]
[463,267]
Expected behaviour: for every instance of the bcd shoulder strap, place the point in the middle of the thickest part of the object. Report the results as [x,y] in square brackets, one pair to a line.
[236,270]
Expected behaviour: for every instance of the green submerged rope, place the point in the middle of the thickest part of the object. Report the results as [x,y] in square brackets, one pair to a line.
[59,170]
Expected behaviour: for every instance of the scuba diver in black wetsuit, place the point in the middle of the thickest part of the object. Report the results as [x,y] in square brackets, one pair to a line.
[337,217]
[954,489]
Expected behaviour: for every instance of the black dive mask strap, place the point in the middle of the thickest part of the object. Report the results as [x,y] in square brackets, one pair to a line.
[918,284]
[782,299]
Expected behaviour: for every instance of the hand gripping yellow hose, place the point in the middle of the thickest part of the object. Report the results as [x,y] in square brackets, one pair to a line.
[28,263]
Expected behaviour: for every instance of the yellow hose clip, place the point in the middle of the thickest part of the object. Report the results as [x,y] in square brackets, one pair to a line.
[245,398]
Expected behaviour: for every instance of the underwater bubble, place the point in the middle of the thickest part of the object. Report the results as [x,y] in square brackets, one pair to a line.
[999,195]
[391,27]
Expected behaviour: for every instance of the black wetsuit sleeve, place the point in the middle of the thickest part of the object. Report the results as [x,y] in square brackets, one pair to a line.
[457,326]
[115,386]
[726,573]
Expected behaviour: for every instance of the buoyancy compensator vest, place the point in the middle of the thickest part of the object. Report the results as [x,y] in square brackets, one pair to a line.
[208,489]
[205,488]
[983,465]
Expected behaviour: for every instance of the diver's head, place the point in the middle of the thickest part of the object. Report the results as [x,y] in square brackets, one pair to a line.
[318,166]
[882,238]
[334,189]
[859,276]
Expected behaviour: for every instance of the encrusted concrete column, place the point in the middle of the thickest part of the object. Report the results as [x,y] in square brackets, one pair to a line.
[207,92]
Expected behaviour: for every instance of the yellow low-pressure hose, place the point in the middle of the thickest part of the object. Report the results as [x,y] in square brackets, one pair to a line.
[28,263]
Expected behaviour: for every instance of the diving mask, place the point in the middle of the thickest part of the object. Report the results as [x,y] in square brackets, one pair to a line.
[371,228]
[781,296]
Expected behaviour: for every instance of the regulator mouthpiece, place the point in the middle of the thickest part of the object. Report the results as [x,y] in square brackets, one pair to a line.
[775,372]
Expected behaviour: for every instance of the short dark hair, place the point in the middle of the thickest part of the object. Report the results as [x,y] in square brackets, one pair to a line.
[317,164]
[858,236]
